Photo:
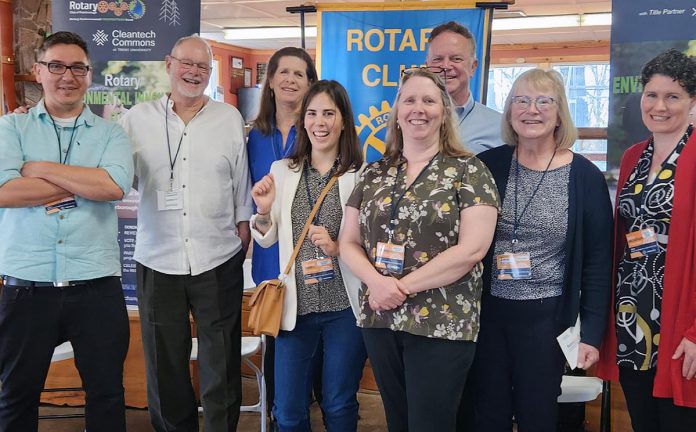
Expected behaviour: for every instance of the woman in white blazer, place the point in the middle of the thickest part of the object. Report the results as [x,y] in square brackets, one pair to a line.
[321,298]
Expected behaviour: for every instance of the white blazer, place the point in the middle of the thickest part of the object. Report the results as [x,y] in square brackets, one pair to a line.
[286,183]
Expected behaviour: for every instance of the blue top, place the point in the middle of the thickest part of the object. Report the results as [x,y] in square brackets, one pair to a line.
[262,151]
[73,244]
[479,127]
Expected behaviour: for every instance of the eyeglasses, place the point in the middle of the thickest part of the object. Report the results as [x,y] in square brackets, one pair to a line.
[188,65]
[543,103]
[436,70]
[60,68]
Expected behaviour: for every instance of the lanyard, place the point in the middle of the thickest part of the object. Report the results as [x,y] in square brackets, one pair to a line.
[395,204]
[172,162]
[462,118]
[516,221]
[72,134]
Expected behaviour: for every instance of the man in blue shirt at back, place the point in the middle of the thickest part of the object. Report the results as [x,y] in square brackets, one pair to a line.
[62,169]
[452,47]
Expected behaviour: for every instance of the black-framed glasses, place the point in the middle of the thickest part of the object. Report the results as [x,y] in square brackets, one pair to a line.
[188,64]
[436,70]
[60,68]
[542,103]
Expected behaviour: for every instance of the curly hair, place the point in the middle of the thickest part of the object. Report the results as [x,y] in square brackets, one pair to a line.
[674,64]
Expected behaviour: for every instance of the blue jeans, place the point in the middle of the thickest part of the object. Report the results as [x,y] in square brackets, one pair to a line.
[344,358]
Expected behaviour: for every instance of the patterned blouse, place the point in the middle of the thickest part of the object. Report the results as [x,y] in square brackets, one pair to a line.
[326,296]
[542,231]
[426,223]
[643,203]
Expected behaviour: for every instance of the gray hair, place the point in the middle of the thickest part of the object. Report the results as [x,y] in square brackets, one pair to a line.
[196,38]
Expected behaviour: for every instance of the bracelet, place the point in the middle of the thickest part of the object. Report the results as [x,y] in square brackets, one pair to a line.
[263,214]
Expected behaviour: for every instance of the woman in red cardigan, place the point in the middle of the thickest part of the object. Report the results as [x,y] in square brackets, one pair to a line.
[651,344]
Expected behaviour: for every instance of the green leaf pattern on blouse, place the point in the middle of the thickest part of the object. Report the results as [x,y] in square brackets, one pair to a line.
[427,223]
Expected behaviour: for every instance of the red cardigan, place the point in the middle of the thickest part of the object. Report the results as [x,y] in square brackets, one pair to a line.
[678,317]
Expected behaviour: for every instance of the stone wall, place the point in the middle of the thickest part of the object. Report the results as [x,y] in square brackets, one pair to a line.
[32,20]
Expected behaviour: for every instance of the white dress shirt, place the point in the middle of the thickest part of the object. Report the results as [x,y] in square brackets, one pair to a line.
[212,172]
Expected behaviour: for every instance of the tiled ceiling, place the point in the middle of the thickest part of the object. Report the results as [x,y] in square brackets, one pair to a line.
[219,14]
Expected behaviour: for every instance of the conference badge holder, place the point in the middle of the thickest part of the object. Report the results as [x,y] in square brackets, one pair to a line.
[318,270]
[513,266]
[390,257]
[642,242]
[61,204]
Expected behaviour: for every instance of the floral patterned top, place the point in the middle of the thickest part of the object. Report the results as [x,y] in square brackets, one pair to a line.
[426,223]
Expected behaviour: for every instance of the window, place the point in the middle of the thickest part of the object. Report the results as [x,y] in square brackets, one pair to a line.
[500,81]
[587,90]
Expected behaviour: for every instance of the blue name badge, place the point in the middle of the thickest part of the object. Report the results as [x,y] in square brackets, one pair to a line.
[61,204]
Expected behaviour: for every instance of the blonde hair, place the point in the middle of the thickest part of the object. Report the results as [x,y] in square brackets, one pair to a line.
[449,142]
[565,134]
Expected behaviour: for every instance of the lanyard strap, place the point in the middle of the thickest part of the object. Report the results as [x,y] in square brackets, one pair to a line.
[516,221]
[172,162]
[72,134]
[395,204]
[305,230]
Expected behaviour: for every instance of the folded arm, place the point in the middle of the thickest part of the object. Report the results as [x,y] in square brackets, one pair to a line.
[29,192]
[90,183]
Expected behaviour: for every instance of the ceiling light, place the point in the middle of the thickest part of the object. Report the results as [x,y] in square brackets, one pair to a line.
[526,23]
[268,33]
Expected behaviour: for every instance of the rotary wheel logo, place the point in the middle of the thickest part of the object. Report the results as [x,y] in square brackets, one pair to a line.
[136,9]
[372,131]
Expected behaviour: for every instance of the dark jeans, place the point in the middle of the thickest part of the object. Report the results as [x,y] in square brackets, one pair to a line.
[519,365]
[651,414]
[343,361]
[33,321]
[214,298]
[420,379]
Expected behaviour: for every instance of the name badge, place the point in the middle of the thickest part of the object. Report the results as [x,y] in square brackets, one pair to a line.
[390,257]
[317,270]
[513,266]
[61,204]
[642,243]
[170,200]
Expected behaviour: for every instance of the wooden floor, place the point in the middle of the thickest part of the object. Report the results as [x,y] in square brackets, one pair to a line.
[371,415]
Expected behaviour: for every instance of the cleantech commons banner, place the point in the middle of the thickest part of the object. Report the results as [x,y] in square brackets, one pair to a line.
[366,49]
[127,42]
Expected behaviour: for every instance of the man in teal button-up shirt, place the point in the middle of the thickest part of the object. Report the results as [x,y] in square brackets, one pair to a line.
[61,170]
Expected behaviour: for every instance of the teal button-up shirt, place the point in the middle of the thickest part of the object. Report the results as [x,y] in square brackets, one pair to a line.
[73,244]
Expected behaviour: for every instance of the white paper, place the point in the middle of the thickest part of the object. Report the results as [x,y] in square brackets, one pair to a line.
[569,341]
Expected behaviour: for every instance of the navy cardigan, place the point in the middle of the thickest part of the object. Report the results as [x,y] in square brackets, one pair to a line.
[588,255]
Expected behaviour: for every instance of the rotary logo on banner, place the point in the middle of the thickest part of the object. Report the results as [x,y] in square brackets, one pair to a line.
[366,50]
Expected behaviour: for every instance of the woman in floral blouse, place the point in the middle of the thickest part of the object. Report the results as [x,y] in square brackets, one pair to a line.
[416,228]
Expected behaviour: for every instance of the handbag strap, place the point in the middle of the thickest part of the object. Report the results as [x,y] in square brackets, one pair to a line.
[305,230]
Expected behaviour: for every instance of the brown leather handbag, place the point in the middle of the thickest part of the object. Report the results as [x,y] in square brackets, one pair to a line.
[267,301]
